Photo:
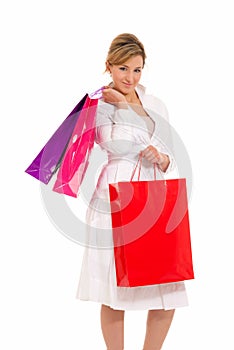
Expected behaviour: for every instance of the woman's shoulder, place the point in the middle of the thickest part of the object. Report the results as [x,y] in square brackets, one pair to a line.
[150,101]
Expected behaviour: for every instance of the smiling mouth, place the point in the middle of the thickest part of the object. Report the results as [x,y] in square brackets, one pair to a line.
[128,85]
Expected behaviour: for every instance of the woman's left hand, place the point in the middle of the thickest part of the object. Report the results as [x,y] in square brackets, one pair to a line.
[154,156]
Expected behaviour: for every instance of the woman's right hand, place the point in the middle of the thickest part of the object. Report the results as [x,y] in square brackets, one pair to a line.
[114,97]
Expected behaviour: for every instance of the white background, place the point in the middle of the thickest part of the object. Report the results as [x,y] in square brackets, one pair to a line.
[52,52]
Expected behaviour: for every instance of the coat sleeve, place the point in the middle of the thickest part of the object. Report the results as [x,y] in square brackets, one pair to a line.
[162,148]
[163,133]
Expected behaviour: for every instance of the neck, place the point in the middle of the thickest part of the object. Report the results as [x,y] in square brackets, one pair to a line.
[132,97]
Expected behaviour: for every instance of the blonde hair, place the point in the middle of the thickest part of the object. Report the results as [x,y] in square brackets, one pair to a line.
[124,47]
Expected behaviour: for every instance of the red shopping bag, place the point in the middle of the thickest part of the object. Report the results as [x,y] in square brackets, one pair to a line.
[151,232]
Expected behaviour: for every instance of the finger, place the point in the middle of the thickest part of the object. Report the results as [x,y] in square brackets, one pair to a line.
[106,91]
[150,153]
[146,151]
[154,149]
[151,158]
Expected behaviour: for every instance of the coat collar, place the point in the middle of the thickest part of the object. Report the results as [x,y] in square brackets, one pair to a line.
[140,89]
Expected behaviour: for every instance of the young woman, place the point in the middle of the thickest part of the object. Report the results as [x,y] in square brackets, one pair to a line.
[126,127]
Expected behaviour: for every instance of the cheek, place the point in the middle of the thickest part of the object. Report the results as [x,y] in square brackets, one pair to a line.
[137,77]
[116,76]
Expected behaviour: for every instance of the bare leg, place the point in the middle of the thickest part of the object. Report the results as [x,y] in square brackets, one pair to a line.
[158,324]
[112,324]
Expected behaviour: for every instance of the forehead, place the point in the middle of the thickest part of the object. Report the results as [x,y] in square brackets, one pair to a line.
[135,61]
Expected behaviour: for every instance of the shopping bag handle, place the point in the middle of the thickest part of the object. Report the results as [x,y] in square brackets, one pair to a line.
[139,162]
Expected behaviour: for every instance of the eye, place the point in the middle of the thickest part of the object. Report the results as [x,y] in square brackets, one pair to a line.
[123,68]
[138,70]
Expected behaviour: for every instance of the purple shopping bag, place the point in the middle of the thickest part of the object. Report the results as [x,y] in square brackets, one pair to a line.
[49,158]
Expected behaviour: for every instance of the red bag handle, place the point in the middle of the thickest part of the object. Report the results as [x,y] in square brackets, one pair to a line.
[139,161]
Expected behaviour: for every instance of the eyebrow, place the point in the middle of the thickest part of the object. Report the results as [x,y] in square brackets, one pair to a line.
[124,65]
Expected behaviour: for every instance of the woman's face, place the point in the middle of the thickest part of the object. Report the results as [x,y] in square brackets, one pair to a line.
[126,76]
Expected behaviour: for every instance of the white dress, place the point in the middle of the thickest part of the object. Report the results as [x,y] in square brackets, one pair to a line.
[122,133]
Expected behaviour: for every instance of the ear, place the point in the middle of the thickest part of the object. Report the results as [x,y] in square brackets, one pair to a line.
[108,67]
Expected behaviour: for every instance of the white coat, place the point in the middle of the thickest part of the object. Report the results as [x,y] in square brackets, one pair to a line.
[122,133]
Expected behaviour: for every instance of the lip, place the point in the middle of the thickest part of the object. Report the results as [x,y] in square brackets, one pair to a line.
[127,85]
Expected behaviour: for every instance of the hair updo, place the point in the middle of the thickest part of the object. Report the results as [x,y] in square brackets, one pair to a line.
[124,47]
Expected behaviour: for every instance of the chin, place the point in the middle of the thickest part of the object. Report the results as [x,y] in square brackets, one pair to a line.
[126,91]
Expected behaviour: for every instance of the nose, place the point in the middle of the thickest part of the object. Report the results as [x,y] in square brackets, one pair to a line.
[129,76]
